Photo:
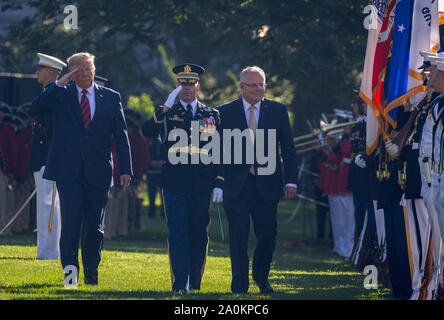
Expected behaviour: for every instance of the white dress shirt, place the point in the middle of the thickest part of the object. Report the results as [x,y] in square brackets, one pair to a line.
[247,111]
[89,94]
[257,111]
[193,104]
[91,98]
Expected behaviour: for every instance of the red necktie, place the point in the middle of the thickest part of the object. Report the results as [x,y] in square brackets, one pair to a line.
[86,111]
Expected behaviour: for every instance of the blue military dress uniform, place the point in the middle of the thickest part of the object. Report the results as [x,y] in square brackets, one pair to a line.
[359,183]
[40,143]
[186,190]
[390,193]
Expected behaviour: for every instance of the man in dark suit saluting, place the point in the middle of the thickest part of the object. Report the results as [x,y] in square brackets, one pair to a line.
[248,190]
[86,119]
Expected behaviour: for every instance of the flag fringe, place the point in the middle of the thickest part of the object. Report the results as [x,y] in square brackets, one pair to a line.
[400,101]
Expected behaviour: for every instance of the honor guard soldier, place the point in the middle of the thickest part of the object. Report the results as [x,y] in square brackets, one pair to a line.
[389,198]
[426,192]
[429,179]
[48,205]
[390,194]
[423,218]
[437,142]
[187,185]
[415,212]
[437,156]
[359,184]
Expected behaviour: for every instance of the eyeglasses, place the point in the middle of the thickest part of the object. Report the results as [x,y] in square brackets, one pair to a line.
[255,85]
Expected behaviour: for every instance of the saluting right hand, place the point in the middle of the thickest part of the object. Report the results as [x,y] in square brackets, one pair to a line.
[171,98]
[63,81]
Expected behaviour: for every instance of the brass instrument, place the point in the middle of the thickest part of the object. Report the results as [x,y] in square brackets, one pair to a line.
[325,127]
[329,129]
[308,135]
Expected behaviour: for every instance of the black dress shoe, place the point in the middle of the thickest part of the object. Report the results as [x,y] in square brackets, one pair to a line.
[265,288]
[239,291]
[195,287]
[90,280]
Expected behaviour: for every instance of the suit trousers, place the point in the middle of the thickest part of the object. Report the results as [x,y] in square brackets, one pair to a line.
[82,208]
[263,214]
[188,221]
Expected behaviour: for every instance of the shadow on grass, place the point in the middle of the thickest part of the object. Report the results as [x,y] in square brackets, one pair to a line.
[16,258]
[26,287]
[19,239]
[59,292]
[292,289]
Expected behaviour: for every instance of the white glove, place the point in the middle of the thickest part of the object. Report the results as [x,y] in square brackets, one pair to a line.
[360,162]
[217,194]
[172,97]
[392,149]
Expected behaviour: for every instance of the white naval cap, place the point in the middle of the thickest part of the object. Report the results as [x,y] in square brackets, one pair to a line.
[434,59]
[426,55]
[51,62]
[440,66]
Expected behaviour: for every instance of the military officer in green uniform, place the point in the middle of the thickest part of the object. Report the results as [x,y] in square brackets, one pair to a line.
[187,182]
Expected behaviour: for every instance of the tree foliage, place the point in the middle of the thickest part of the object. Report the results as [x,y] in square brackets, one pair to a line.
[311,51]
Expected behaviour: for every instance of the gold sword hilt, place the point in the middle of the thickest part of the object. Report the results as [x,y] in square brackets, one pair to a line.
[52,208]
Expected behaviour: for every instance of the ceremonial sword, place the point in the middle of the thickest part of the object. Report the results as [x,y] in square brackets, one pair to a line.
[220,221]
[19,211]
[52,208]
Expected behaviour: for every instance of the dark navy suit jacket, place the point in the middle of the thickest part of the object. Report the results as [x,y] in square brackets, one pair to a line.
[272,115]
[71,144]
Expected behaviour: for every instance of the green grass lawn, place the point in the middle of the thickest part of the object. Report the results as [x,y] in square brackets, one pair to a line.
[137,267]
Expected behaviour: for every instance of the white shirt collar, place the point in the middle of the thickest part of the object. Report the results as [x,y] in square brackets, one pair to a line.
[90,90]
[193,104]
[247,105]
